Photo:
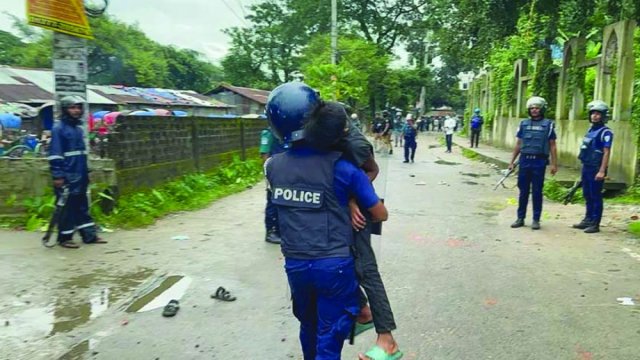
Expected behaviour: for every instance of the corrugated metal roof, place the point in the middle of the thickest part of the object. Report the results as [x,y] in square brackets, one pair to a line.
[40,78]
[256,95]
[201,99]
[37,86]
[24,93]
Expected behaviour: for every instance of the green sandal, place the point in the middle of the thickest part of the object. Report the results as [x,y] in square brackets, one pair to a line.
[377,353]
[362,327]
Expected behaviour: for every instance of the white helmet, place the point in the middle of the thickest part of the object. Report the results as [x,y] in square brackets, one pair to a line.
[354,116]
[599,106]
[539,102]
[536,101]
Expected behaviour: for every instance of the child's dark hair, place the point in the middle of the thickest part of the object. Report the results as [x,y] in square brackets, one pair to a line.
[326,125]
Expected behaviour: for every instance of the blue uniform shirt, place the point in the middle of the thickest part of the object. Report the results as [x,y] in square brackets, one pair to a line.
[348,180]
[552,133]
[605,140]
[524,162]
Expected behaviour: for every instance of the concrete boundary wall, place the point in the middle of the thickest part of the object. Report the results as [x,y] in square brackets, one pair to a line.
[614,67]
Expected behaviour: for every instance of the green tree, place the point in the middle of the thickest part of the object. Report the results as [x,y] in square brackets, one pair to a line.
[9,43]
[118,54]
[359,70]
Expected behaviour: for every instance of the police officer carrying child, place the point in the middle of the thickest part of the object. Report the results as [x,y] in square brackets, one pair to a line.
[536,142]
[594,155]
[70,169]
[311,190]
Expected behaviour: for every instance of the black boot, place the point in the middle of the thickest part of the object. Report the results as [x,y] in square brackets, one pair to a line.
[273,237]
[592,229]
[535,225]
[583,224]
[518,223]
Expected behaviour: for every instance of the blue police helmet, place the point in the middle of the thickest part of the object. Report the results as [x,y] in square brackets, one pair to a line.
[287,108]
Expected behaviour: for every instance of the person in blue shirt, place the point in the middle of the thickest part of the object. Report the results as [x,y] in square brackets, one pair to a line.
[536,142]
[375,308]
[409,132]
[270,146]
[69,168]
[594,155]
[476,127]
[311,189]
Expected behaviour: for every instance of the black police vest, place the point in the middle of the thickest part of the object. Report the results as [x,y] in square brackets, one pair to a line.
[590,155]
[535,136]
[312,222]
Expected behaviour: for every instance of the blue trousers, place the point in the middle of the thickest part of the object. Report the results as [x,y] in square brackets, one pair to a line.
[75,216]
[410,145]
[592,191]
[530,181]
[271,214]
[325,301]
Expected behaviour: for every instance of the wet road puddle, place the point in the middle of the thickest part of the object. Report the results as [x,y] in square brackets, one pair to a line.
[158,295]
[445,162]
[79,351]
[76,301]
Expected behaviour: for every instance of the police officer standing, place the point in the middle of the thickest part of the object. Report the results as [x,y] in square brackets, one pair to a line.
[410,144]
[476,127]
[310,189]
[594,155]
[270,146]
[536,142]
[70,170]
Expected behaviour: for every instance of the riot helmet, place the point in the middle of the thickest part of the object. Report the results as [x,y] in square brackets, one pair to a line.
[599,106]
[288,106]
[539,102]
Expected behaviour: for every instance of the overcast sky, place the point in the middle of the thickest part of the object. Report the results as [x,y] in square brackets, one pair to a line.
[192,24]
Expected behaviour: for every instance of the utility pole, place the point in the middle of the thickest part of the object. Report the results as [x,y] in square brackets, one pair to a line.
[334,32]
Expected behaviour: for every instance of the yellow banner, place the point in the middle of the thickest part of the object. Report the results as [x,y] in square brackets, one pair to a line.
[65,16]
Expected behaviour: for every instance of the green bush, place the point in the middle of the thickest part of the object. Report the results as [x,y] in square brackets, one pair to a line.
[193,191]
[554,191]
[634,228]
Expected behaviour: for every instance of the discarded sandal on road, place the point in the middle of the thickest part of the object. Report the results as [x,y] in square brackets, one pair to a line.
[377,353]
[223,295]
[171,309]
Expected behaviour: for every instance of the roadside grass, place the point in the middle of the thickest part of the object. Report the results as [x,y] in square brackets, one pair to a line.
[469,154]
[142,208]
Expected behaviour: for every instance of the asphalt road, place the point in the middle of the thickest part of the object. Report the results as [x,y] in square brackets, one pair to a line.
[463,285]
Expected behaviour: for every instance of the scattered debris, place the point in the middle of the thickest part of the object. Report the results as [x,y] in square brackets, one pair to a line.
[180,237]
[420,183]
[443,183]
[626,301]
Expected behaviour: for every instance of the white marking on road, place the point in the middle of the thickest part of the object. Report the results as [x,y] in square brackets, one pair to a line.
[176,291]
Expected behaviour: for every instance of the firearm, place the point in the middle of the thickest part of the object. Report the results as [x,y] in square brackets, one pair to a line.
[507,173]
[572,191]
[61,204]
